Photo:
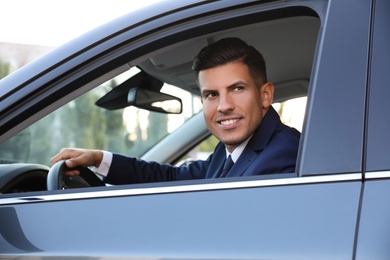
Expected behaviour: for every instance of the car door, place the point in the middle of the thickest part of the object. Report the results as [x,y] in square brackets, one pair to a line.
[374,219]
[310,214]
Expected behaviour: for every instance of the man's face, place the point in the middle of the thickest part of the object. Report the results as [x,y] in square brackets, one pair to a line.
[233,105]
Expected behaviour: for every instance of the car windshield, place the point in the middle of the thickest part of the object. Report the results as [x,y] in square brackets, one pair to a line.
[81,123]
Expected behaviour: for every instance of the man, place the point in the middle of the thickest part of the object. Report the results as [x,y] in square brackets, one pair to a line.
[236,98]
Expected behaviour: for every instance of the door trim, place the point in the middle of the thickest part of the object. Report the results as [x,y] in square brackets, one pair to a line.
[126,191]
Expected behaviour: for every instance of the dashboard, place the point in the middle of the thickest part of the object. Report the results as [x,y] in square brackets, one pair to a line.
[22,177]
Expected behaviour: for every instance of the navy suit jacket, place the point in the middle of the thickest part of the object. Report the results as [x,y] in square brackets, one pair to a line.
[272,149]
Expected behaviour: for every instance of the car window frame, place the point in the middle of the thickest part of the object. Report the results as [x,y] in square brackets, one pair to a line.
[65,90]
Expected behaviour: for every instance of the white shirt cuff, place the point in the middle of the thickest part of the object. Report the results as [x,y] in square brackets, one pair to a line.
[104,166]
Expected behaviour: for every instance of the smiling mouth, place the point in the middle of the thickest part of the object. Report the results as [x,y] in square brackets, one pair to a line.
[228,122]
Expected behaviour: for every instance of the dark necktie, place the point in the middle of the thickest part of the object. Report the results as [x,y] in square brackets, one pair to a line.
[226,167]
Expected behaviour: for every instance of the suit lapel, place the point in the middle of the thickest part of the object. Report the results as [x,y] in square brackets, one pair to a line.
[242,163]
[257,143]
[216,164]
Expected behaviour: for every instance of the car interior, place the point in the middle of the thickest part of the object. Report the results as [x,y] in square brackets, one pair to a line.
[287,45]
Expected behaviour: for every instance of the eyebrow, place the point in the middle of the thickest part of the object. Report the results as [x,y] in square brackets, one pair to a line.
[237,83]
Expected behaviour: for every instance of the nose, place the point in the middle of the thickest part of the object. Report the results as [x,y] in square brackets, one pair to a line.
[225,104]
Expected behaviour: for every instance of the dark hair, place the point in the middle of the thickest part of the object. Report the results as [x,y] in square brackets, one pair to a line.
[229,50]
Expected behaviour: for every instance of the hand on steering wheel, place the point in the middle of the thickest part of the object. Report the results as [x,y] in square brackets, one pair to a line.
[57,181]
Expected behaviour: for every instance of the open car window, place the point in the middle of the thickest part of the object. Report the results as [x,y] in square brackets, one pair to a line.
[287,43]
[82,123]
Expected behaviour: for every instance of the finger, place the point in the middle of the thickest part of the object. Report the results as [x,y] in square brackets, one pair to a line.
[71,172]
[65,154]
[70,163]
[62,155]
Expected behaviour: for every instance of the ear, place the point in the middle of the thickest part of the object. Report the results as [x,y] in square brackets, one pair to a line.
[267,94]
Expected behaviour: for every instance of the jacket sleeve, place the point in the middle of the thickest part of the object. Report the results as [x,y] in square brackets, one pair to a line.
[127,170]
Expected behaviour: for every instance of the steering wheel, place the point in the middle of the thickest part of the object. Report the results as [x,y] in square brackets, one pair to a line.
[57,181]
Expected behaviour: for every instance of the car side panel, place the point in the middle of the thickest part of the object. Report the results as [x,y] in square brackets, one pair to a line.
[303,221]
[333,132]
[378,143]
[374,228]
[374,231]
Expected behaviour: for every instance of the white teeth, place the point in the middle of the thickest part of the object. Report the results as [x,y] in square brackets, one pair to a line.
[228,122]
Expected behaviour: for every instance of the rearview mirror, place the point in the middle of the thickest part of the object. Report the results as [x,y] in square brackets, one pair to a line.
[154,101]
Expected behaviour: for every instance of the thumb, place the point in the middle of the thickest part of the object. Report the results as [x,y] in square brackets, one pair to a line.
[70,163]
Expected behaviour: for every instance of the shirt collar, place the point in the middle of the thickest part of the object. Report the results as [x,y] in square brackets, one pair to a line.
[238,151]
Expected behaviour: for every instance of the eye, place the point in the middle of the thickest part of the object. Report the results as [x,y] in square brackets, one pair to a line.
[238,88]
[209,95]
